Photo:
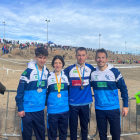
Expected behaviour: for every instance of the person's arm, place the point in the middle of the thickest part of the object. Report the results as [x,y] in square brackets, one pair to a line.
[124,93]
[20,93]
[66,70]
[2,88]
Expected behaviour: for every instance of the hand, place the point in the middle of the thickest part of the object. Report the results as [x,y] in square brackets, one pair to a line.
[21,114]
[125,111]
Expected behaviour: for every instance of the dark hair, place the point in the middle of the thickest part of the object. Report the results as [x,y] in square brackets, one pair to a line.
[41,51]
[81,49]
[101,51]
[60,58]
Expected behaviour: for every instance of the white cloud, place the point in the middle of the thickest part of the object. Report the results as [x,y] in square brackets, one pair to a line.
[77,26]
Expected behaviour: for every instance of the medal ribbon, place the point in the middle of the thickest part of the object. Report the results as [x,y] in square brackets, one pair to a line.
[81,78]
[58,83]
[39,79]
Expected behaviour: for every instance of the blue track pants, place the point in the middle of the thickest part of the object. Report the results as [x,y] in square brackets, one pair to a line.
[33,121]
[59,121]
[113,117]
[83,113]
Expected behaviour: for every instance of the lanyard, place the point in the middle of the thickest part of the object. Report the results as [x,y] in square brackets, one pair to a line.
[39,79]
[58,83]
[81,78]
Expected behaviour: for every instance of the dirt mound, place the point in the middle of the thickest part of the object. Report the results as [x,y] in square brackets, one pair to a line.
[67,54]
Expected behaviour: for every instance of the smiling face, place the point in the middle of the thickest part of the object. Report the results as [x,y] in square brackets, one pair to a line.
[101,60]
[81,57]
[58,65]
[41,60]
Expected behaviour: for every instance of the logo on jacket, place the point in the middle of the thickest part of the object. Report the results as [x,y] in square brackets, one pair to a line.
[62,87]
[24,73]
[52,80]
[45,75]
[22,82]
[101,84]
[95,77]
[22,78]
[107,77]
[86,70]
[36,77]
[76,82]
[63,79]
[75,71]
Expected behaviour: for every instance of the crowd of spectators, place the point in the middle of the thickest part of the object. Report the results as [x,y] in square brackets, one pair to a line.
[24,46]
[128,61]
[52,46]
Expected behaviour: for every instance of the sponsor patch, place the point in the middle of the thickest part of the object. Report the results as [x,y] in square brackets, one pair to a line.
[42,84]
[95,77]
[24,73]
[52,81]
[76,82]
[62,87]
[75,71]
[36,77]
[101,84]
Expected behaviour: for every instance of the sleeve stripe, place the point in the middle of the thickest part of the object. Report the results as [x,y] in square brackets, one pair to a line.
[24,78]
[119,77]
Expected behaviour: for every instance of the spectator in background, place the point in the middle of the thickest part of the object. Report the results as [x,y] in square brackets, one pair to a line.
[10,47]
[3,51]
[0,40]
[2,88]
[6,50]
[20,46]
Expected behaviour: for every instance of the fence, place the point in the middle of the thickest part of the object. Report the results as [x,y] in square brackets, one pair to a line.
[128,128]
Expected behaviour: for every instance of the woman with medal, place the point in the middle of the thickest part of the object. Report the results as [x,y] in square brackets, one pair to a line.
[57,101]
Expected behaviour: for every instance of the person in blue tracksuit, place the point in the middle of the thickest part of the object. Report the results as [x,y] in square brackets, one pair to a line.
[106,80]
[31,96]
[80,95]
[57,101]
[3,50]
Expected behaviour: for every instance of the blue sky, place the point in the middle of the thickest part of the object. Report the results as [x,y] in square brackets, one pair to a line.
[74,22]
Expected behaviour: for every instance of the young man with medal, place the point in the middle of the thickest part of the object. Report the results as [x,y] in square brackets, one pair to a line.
[106,80]
[57,101]
[80,95]
[31,96]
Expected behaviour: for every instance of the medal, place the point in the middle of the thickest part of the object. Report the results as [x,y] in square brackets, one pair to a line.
[59,95]
[82,87]
[39,90]
[58,85]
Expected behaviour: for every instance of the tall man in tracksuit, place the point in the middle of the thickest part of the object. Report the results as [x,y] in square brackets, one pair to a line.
[31,96]
[106,80]
[80,95]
